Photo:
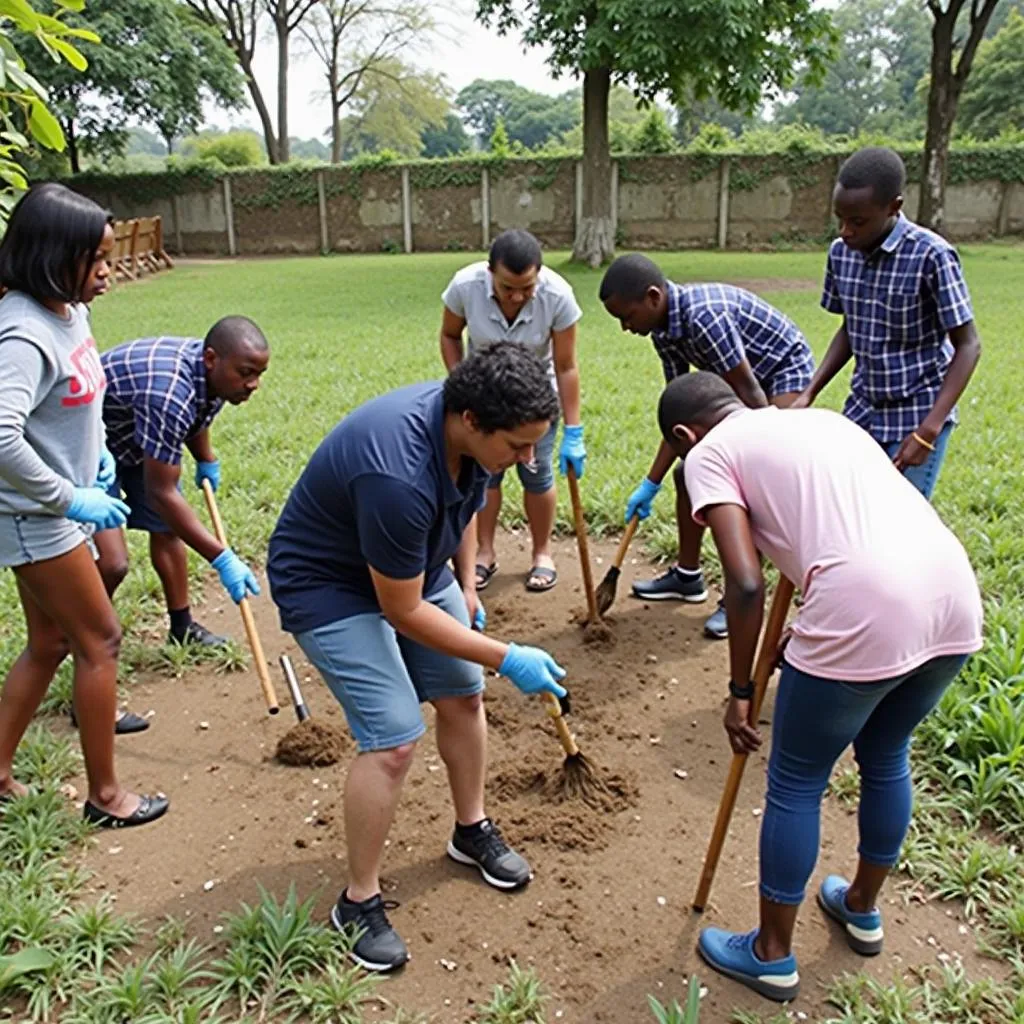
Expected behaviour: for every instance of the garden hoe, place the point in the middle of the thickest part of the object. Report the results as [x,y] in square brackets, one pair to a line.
[607,587]
[243,606]
[762,673]
[310,742]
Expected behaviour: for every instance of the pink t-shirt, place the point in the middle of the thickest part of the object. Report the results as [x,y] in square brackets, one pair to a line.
[886,585]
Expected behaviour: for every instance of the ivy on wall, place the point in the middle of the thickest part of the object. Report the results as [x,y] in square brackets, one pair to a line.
[667,168]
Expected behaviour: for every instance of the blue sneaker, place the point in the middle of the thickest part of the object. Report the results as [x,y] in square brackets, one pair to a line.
[864,932]
[717,627]
[732,954]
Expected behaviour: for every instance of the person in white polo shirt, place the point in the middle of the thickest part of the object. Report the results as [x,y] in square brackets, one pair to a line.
[514,297]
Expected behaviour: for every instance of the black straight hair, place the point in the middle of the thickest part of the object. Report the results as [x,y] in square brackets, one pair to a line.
[52,237]
[516,250]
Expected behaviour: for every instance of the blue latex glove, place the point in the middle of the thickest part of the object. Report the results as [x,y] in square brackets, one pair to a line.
[480,618]
[236,576]
[107,472]
[639,503]
[208,471]
[532,670]
[93,505]
[573,452]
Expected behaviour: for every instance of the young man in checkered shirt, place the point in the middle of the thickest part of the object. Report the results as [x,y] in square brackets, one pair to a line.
[907,319]
[162,395]
[715,327]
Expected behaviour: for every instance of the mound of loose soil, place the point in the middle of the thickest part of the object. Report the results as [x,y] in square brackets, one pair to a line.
[312,744]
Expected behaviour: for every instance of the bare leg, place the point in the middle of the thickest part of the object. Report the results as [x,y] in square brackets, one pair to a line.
[371,795]
[462,743]
[690,533]
[170,559]
[113,560]
[487,526]
[540,514]
[862,895]
[69,592]
[775,939]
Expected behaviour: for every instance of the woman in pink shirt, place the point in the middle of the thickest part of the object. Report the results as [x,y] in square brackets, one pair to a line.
[891,611]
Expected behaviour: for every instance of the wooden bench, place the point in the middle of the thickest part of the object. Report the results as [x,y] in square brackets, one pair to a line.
[139,248]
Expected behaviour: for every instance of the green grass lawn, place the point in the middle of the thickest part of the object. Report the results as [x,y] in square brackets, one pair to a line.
[343,329]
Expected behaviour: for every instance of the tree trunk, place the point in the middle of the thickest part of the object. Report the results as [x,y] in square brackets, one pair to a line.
[595,234]
[335,91]
[261,109]
[942,102]
[283,145]
[72,146]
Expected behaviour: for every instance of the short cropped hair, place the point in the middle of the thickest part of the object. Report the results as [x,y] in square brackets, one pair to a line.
[694,397]
[630,277]
[504,385]
[51,238]
[877,167]
[516,250]
[230,332]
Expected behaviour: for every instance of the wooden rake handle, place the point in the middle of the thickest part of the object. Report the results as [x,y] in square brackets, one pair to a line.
[762,673]
[627,539]
[565,737]
[243,606]
[581,541]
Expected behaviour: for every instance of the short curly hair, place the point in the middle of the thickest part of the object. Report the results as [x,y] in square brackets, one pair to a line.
[876,167]
[504,385]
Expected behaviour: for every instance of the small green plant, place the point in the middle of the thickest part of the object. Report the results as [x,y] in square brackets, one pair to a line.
[389,245]
[674,1013]
[519,1001]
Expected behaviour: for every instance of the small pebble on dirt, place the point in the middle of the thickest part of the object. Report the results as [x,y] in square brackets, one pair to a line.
[207,886]
[448,965]
[115,849]
[679,773]
[69,791]
[204,725]
[662,902]
[652,659]
[217,929]
[756,812]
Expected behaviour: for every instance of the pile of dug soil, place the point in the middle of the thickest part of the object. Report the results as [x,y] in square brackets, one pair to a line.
[312,744]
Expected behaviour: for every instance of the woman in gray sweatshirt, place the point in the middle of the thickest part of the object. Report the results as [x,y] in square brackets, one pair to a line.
[53,461]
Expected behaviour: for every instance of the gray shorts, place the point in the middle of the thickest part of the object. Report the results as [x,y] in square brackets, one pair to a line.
[25,539]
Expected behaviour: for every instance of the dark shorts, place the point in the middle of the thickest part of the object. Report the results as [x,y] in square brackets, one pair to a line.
[129,484]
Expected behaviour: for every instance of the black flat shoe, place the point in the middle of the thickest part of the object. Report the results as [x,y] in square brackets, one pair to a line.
[126,723]
[150,808]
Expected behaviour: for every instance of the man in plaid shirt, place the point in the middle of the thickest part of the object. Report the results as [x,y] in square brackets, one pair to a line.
[162,395]
[907,319]
[715,327]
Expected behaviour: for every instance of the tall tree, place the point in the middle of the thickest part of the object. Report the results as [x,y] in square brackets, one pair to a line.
[356,39]
[531,118]
[993,100]
[238,22]
[446,139]
[286,16]
[677,47]
[952,58]
[157,64]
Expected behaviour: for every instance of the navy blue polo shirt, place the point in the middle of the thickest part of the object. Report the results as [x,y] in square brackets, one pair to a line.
[377,492]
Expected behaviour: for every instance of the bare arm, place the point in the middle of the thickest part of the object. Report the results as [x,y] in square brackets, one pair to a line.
[742,380]
[161,482]
[838,355]
[465,558]
[201,446]
[452,327]
[567,374]
[967,352]
[663,462]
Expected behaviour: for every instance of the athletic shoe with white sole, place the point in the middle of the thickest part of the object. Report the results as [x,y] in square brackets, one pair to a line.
[864,933]
[482,846]
[378,947]
[717,626]
[732,954]
[674,585]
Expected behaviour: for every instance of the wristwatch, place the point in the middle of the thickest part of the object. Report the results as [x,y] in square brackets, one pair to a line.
[741,692]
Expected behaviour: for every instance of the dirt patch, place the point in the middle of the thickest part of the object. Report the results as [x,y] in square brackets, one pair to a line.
[606,919]
[312,744]
[759,285]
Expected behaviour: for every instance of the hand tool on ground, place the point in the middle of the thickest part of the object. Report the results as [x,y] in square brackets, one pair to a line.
[607,587]
[310,743]
[243,606]
[763,668]
[593,615]
[578,779]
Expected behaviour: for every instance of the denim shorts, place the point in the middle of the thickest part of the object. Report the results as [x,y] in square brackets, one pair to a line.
[131,485]
[537,477]
[25,539]
[380,677]
[925,476]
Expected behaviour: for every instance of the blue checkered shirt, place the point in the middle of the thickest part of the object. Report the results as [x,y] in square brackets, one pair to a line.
[156,398]
[716,326]
[899,304]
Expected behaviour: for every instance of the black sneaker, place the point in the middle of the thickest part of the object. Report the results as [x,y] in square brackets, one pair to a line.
[378,946]
[673,586]
[482,846]
[717,626]
[197,633]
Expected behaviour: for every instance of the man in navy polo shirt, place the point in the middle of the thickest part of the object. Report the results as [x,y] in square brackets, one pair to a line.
[358,568]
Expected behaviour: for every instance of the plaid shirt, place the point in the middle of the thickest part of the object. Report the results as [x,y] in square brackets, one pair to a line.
[899,304]
[156,398]
[716,326]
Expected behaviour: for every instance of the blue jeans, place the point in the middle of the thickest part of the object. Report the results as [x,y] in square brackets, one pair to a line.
[925,476]
[815,720]
[537,477]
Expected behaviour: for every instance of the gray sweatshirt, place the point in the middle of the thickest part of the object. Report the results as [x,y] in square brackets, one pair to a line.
[51,406]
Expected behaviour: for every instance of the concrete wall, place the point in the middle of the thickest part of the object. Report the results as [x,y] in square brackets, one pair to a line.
[663,202]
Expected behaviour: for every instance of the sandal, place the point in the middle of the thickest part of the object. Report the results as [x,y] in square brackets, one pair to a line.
[150,808]
[547,577]
[125,723]
[484,574]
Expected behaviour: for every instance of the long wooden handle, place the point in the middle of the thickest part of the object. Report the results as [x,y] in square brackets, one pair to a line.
[243,606]
[581,540]
[762,673]
[554,709]
[627,539]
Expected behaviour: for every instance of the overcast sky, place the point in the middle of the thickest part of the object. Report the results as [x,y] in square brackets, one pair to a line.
[463,51]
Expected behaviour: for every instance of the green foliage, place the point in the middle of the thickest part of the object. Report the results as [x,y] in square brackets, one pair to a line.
[233,149]
[498,143]
[654,135]
[531,119]
[519,1001]
[993,98]
[674,1013]
[444,140]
